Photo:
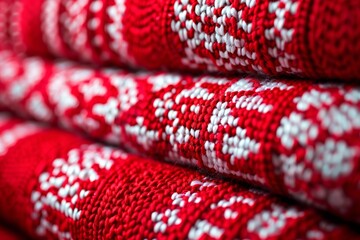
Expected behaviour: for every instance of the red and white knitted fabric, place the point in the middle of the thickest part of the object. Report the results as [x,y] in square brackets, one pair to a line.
[71,188]
[314,38]
[296,138]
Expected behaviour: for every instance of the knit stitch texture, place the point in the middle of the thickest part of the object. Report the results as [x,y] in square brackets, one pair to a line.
[313,38]
[72,188]
[296,138]
[269,149]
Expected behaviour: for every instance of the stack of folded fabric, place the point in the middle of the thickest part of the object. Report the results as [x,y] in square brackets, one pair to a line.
[180,119]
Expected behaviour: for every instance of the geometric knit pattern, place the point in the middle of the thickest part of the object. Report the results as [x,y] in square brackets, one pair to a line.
[71,188]
[296,138]
[313,38]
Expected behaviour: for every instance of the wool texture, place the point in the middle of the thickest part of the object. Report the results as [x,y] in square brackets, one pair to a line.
[72,188]
[313,38]
[296,138]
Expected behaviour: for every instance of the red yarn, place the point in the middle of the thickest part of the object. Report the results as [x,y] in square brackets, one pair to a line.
[299,139]
[296,138]
[313,38]
[7,233]
[71,188]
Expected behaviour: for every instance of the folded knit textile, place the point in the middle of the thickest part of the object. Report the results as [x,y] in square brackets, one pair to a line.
[72,188]
[296,138]
[314,38]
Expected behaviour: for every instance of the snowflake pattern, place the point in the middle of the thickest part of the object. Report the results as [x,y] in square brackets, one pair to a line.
[268,132]
[61,186]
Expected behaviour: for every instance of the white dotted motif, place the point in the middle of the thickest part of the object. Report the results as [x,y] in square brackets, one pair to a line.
[238,146]
[60,188]
[269,222]
[12,135]
[60,93]
[49,26]
[164,80]
[114,30]
[179,201]
[264,224]
[36,105]
[144,136]
[92,89]
[94,23]
[74,21]
[281,35]
[193,31]
[9,68]
[330,156]
[33,71]
[210,26]
[333,158]
[3,21]
[108,110]
[201,228]
[127,90]
[14,28]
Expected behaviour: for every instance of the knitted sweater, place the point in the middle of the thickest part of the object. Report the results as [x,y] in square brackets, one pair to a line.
[71,188]
[313,38]
[296,138]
